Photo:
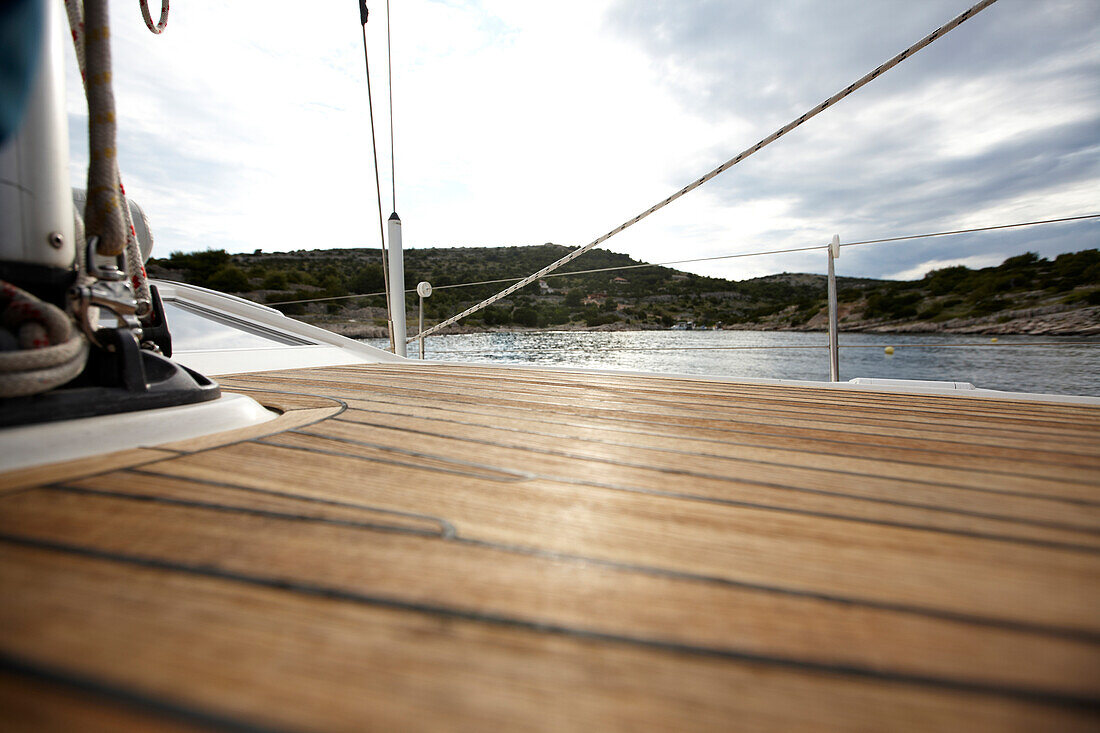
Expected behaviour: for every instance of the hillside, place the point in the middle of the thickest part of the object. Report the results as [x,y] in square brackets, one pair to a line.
[1025,294]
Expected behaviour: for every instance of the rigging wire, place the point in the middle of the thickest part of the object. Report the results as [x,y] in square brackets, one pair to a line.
[971,231]
[363,14]
[811,248]
[870,76]
[389,71]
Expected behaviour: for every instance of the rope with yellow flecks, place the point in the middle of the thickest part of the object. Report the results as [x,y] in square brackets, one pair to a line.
[106,214]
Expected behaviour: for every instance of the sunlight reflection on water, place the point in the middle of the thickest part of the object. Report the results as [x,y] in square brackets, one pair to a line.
[1060,369]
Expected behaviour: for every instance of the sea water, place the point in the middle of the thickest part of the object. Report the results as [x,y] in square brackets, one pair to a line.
[1044,364]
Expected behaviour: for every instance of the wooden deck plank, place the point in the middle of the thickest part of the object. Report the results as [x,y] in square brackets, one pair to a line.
[1009,438]
[743,462]
[671,392]
[972,455]
[36,475]
[465,547]
[36,706]
[645,433]
[768,498]
[989,411]
[911,409]
[420,568]
[726,479]
[814,554]
[292,659]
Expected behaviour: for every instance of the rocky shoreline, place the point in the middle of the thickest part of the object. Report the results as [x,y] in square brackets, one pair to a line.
[1047,320]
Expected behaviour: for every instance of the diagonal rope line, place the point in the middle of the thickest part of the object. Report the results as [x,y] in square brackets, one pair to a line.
[886,66]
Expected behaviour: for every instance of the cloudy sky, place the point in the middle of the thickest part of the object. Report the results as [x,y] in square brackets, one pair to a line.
[245,126]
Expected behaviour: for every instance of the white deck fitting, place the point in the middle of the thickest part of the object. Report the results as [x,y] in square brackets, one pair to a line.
[34,445]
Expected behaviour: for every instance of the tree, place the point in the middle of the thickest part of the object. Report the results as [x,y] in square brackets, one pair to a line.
[526,316]
[574,298]
[368,279]
[230,279]
[275,280]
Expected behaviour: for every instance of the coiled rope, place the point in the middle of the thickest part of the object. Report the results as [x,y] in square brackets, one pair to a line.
[39,348]
[870,76]
[159,27]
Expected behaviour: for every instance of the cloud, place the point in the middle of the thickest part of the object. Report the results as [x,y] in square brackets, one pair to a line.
[521,123]
[962,134]
[918,271]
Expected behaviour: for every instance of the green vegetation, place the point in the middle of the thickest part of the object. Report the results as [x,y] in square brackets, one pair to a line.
[639,297]
[1022,281]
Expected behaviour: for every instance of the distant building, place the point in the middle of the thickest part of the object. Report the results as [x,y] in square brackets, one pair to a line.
[594,299]
[679,276]
[620,281]
[545,289]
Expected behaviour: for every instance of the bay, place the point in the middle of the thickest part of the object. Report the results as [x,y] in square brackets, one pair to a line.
[1042,364]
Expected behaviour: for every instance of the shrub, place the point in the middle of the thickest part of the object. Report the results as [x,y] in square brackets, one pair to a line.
[275,280]
[230,279]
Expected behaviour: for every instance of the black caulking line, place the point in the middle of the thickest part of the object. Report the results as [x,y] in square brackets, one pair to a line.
[127,696]
[685,576]
[488,468]
[733,655]
[796,408]
[697,454]
[649,432]
[767,507]
[515,477]
[265,513]
[528,405]
[685,472]
[743,428]
[447,529]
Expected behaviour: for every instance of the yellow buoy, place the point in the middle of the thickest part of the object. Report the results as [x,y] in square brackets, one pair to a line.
[993,340]
[889,350]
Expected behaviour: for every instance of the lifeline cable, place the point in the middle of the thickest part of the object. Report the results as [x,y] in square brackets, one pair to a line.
[809,248]
[942,30]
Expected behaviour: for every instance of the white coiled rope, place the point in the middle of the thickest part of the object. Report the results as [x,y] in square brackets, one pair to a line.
[39,348]
[162,23]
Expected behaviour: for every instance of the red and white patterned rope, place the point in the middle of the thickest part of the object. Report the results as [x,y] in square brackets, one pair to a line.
[162,23]
[107,215]
[46,351]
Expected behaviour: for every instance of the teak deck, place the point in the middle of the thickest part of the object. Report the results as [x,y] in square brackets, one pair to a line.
[471,548]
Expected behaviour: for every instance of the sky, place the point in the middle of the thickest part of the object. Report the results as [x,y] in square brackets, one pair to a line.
[245,126]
